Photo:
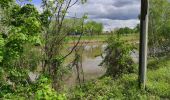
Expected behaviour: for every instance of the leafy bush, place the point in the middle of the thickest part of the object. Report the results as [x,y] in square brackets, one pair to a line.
[118,59]
[45,91]
[42,90]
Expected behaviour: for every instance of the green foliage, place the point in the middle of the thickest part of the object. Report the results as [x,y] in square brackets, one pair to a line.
[2,43]
[5,3]
[126,87]
[122,88]
[97,90]
[25,29]
[14,83]
[118,59]
[73,26]
[93,27]
[21,52]
[83,1]
[159,80]
[126,30]
[27,19]
[44,18]
[159,27]
[42,89]
[45,91]
[137,28]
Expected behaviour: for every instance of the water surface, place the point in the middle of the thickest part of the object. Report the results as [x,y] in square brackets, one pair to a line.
[91,59]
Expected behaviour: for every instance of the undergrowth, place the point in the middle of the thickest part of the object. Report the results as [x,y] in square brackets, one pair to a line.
[126,87]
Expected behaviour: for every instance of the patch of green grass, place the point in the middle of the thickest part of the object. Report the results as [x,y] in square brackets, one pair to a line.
[159,80]
[126,87]
[130,37]
[103,38]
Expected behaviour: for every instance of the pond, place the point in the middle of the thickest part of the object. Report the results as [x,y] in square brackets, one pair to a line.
[91,59]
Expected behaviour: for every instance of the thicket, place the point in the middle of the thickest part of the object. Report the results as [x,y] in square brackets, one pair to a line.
[159,26]
[31,42]
[117,58]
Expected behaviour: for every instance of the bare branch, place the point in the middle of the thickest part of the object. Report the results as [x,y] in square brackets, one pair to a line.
[73,48]
[76,43]
[61,23]
[73,3]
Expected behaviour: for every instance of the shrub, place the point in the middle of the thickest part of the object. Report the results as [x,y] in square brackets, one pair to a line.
[118,59]
[44,91]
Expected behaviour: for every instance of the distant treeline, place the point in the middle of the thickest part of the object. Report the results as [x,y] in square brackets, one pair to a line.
[74,27]
[127,30]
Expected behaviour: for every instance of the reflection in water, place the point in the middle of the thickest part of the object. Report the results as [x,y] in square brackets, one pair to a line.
[92,51]
[90,63]
[91,58]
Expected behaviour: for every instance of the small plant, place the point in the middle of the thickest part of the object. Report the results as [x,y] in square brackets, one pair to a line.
[44,91]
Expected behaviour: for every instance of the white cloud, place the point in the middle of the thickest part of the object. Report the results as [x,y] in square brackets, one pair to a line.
[112,13]
[111,24]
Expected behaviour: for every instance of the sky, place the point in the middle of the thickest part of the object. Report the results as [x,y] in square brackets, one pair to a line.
[112,13]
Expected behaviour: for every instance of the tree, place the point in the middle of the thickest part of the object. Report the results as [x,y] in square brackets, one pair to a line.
[93,27]
[125,30]
[159,26]
[5,3]
[20,33]
[73,26]
[137,28]
[117,59]
[33,37]
[25,30]
[53,16]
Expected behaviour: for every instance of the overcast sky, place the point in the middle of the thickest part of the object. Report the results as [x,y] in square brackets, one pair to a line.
[112,13]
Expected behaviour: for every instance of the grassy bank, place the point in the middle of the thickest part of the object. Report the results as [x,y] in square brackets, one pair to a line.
[103,38]
[126,87]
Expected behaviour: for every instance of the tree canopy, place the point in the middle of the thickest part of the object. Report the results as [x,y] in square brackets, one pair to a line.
[92,27]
